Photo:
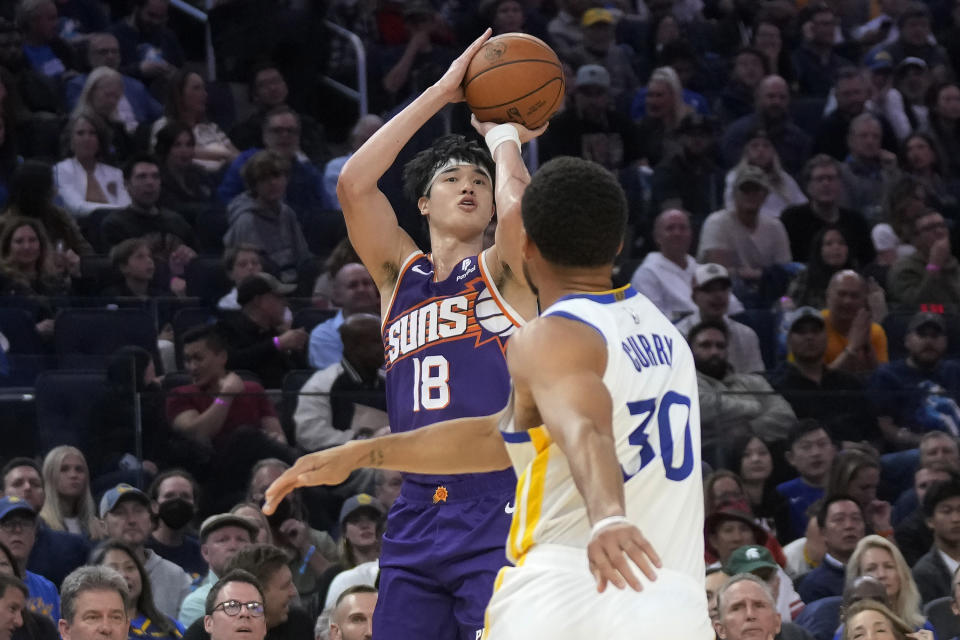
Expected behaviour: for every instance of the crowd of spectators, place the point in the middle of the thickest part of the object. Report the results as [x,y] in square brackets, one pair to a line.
[793,174]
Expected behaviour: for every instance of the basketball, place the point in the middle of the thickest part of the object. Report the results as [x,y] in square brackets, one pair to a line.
[514,78]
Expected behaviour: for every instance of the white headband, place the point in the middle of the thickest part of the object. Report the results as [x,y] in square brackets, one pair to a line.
[450,164]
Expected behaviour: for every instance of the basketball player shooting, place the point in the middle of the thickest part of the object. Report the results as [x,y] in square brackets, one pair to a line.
[603,430]
[446,317]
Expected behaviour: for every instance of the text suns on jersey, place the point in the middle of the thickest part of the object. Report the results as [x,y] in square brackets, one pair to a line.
[457,317]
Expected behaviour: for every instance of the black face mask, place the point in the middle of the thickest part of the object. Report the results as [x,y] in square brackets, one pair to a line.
[283,513]
[176,513]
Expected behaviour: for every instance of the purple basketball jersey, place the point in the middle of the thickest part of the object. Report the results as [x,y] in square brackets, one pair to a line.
[445,345]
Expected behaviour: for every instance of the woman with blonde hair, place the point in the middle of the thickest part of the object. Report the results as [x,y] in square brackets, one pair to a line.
[664,109]
[872,619]
[879,558]
[102,98]
[69,504]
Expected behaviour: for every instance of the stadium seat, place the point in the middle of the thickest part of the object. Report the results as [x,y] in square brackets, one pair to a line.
[764,323]
[292,383]
[27,355]
[310,317]
[940,614]
[81,335]
[64,402]
[206,279]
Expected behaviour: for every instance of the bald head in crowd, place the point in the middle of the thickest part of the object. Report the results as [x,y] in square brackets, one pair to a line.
[672,233]
[773,98]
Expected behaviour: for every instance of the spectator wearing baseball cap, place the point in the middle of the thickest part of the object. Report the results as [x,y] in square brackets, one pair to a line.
[917,394]
[18,529]
[742,240]
[361,527]
[832,397]
[592,129]
[221,536]
[784,190]
[666,276]
[254,342]
[759,561]
[710,290]
[599,47]
[126,512]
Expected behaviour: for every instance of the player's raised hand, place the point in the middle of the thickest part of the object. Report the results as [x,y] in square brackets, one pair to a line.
[451,83]
[526,135]
[608,551]
[327,467]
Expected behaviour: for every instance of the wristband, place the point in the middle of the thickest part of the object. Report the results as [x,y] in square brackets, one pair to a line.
[220,401]
[276,342]
[500,134]
[306,559]
[606,522]
[932,268]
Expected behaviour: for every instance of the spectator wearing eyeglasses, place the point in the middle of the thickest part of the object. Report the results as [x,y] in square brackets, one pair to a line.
[235,608]
[931,275]
[18,531]
[278,620]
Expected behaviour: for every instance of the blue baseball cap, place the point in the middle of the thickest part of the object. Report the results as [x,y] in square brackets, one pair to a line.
[120,492]
[9,504]
[361,501]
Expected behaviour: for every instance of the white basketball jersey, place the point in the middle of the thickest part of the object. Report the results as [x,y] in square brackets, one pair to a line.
[656,425]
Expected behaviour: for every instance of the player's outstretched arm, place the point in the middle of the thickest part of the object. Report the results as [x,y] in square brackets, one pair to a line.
[465,445]
[371,220]
[558,366]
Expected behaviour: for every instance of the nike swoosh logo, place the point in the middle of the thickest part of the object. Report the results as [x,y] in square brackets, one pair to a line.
[509,508]
[417,268]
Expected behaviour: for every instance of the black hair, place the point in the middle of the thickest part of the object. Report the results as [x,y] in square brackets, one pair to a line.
[209,334]
[703,325]
[913,10]
[818,271]
[13,582]
[145,603]
[233,575]
[167,137]
[575,212]
[751,50]
[20,461]
[138,158]
[417,172]
[937,493]
[32,189]
[154,491]
[802,428]
[17,571]
[828,502]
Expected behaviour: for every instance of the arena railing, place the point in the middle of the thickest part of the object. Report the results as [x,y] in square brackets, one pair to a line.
[201,16]
[360,93]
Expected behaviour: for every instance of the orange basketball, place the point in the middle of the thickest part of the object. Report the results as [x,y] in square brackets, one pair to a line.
[514,78]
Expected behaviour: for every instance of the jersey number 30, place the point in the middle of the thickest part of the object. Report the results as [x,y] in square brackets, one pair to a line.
[431,377]
[640,437]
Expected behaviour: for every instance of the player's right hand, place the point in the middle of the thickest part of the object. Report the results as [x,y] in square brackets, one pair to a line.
[609,550]
[451,83]
[327,467]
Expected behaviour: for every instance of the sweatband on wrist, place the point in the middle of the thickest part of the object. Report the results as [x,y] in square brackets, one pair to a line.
[500,134]
[606,522]
[933,268]
[306,559]
[276,342]
[219,401]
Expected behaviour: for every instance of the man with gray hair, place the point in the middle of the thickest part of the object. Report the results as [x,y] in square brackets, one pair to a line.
[93,605]
[746,606]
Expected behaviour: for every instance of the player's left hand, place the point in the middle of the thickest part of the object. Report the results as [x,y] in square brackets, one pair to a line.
[609,550]
[327,467]
[451,83]
[526,135]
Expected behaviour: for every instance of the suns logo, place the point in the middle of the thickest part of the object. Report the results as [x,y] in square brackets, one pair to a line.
[470,314]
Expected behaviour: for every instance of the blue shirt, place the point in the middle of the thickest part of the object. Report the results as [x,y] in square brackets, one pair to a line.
[916,399]
[142,627]
[326,348]
[800,495]
[44,599]
[44,60]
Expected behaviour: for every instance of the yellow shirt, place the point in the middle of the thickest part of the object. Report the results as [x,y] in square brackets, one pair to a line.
[837,342]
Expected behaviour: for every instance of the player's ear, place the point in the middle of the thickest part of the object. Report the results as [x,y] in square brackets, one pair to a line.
[424,205]
[526,244]
[721,631]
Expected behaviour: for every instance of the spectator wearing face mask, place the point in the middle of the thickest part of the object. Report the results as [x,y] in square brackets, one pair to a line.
[174,494]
